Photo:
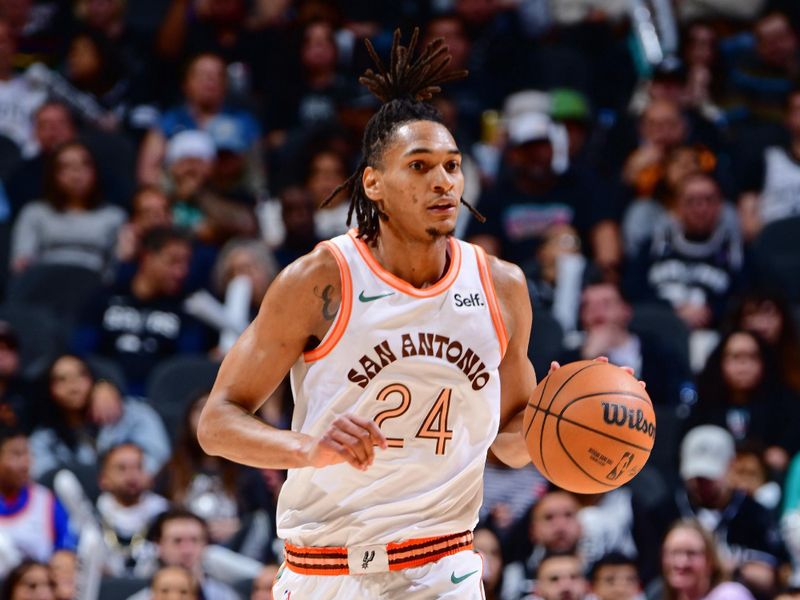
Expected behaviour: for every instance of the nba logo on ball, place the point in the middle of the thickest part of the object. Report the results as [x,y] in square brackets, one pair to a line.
[589,427]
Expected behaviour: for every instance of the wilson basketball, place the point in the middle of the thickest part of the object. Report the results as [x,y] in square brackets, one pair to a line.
[589,427]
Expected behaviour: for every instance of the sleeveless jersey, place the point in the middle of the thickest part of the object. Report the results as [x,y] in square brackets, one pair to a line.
[423,363]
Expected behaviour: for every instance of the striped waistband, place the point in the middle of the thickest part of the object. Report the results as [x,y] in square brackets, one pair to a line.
[360,560]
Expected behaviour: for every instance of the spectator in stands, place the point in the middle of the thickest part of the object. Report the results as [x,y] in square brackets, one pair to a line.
[94,68]
[308,98]
[772,186]
[173,582]
[644,213]
[662,127]
[791,593]
[72,225]
[605,317]
[150,208]
[18,99]
[241,275]
[560,577]
[692,567]
[487,545]
[553,528]
[64,573]
[327,170]
[738,523]
[53,126]
[704,70]
[262,584]
[126,507]
[751,474]
[769,315]
[204,89]
[219,491]
[15,395]
[181,538]
[30,580]
[212,218]
[695,259]
[140,322]
[759,574]
[616,521]
[614,577]
[558,239]
[761,79]
[522,205]
[297,213]
[34,522]
[738,390]
[71,435]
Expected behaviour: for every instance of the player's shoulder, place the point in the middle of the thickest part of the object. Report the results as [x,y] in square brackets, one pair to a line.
[316,267]
[508,278]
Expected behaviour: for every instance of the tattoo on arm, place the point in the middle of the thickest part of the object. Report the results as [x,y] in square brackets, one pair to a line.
[328,311]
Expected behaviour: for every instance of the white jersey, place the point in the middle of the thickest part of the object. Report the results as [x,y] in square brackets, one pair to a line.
[423,363]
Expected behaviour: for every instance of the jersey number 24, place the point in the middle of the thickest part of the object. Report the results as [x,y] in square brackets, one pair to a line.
[434,425]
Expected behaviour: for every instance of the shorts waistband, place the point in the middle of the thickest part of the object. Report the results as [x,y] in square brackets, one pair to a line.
[362,560]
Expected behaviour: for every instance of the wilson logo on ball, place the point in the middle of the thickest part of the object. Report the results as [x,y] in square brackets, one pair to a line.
[620,415]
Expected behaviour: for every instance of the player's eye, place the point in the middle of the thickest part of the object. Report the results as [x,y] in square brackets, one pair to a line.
[416,165]
[452,165]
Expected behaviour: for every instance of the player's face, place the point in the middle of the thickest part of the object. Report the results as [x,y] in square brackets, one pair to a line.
[561,579]
[419,181]
[616,582]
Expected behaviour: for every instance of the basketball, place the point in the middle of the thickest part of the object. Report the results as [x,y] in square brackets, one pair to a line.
[589,427]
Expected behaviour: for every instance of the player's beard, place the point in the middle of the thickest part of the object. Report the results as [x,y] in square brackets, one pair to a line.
[436,234]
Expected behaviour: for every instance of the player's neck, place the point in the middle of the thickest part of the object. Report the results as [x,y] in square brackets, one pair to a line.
[419,262]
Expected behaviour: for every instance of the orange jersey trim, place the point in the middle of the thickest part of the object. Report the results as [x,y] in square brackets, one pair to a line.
[403,286]
[491,297]
[343,318]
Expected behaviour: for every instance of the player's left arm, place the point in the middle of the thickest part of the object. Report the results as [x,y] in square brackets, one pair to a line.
[517,377]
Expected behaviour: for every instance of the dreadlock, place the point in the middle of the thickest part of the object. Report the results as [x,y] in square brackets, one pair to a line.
[403,89]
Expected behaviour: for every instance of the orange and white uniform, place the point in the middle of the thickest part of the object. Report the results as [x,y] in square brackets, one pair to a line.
[423,363]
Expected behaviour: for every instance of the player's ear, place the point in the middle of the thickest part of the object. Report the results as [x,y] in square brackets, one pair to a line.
[372,182]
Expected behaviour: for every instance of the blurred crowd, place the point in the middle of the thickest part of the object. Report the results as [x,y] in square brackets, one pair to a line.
[162,160]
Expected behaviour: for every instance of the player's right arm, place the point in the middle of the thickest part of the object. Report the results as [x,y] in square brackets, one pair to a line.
[297,311]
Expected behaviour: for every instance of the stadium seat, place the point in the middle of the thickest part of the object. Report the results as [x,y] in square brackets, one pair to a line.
[63,289]
[106,368]
[777,257]
[86,474]
[41,337]
[174,382]
[660,320]
[546,343]
[119,588]
[9,156]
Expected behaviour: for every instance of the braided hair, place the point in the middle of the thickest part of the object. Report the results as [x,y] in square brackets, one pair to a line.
[403,89]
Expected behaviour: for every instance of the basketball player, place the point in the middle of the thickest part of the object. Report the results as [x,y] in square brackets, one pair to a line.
[398,338]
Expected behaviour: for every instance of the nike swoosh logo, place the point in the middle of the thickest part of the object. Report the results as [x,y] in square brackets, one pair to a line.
[455,579]
[364,298]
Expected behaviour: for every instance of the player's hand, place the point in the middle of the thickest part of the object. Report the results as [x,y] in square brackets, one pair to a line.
[554,366]
[349,439]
